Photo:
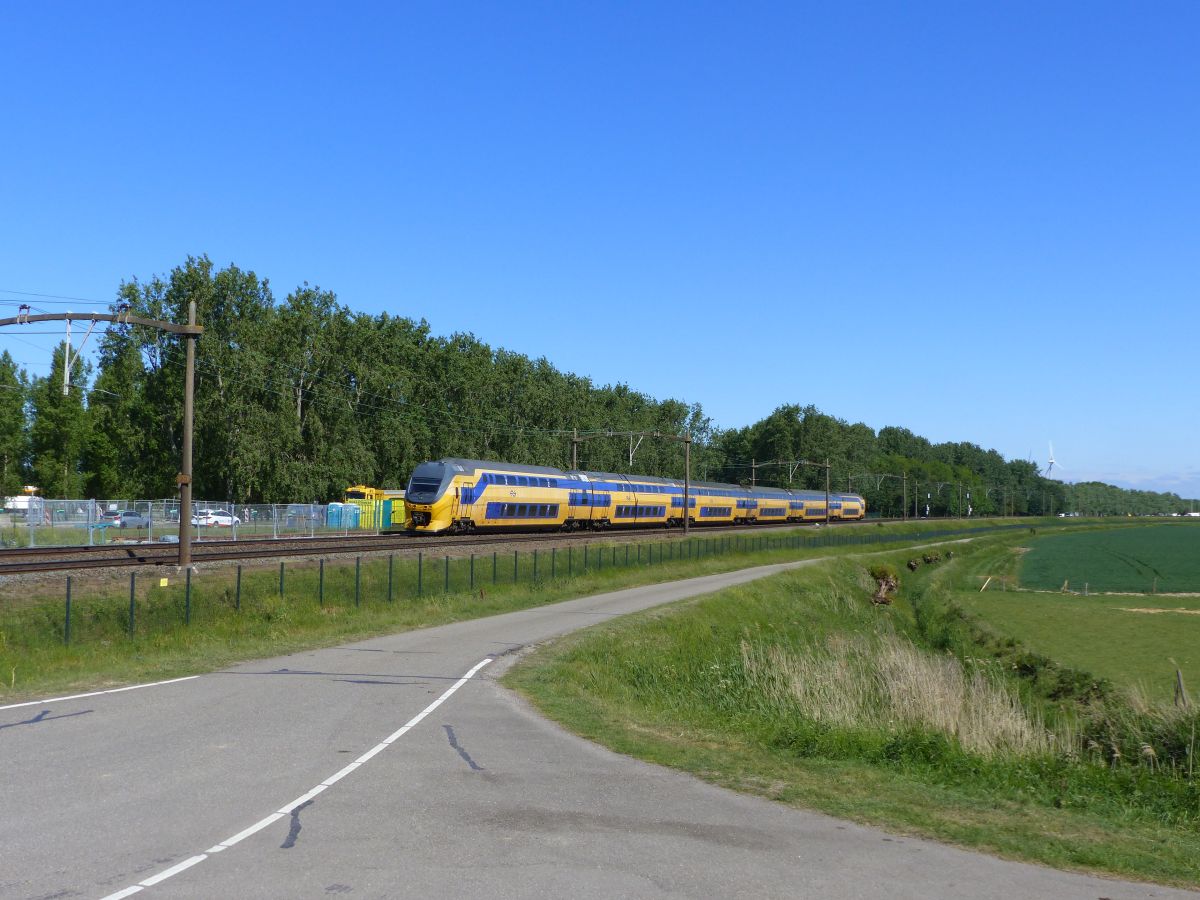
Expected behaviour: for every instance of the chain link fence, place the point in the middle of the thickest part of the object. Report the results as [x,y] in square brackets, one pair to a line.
[68,523]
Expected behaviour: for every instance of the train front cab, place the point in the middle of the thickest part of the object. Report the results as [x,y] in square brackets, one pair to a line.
[458,495]
[428,498]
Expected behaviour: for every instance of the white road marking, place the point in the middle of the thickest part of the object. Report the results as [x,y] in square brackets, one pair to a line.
[174,870]
[303,798]
[132,687]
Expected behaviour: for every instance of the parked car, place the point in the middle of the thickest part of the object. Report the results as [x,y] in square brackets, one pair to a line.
[131,518]
[216,517]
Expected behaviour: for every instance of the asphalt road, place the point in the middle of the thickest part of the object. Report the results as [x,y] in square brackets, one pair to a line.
[380,770]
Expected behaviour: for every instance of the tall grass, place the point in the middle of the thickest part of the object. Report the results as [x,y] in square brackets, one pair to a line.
[886,683]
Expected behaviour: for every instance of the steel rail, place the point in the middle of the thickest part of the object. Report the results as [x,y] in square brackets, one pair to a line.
[229,550]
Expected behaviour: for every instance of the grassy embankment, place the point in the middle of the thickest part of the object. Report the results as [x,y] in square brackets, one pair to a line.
[912,716]
[224,625]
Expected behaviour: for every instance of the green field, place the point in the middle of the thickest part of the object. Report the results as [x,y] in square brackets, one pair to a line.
[1146,559]
[1134,642]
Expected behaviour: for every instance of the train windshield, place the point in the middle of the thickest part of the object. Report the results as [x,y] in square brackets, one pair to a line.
[427,482]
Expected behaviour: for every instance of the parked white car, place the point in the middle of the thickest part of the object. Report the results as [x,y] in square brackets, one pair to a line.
[215,517]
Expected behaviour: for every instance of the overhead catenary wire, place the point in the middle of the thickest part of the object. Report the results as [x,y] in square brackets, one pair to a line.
[474,424]
[384,402]
[50,298]
[368,402]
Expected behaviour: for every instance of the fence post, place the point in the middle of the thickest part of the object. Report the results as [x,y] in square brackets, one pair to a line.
[320,583]
[132,597]
[419,573]
[281,565]
[627,556]
[585,558]
[357,580]
[472,573]
[570,562]
[516,559]
[237,597]
[391,559]
[187,598]
[67,620]
[446,586]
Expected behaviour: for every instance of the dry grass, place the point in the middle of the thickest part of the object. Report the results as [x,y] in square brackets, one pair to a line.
[885,682]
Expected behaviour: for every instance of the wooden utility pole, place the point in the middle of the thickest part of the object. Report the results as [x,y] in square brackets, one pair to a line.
[827,490]
[687,479]
[185,471]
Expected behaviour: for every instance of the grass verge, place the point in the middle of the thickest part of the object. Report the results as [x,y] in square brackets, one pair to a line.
[789,688]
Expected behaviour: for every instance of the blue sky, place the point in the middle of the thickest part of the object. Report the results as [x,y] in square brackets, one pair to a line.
[981,222]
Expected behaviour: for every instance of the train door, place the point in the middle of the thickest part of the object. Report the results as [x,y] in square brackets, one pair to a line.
[580,502]
[460,511]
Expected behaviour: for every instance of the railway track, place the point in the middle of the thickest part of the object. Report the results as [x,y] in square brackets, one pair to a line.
[26,560]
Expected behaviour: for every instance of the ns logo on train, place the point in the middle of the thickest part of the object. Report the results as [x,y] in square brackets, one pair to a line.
[464,495]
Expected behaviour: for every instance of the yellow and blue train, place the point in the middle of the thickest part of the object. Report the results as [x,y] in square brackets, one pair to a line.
[465,495]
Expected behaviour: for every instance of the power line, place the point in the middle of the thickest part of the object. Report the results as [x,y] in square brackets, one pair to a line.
[60,298]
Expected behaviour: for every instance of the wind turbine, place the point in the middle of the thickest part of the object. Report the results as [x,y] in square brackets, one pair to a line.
[1050,462]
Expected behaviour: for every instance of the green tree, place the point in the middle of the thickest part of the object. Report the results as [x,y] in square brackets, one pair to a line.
[14,428]
[118,414]
[59,430]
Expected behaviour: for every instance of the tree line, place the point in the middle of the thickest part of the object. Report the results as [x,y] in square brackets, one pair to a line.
[297,399]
